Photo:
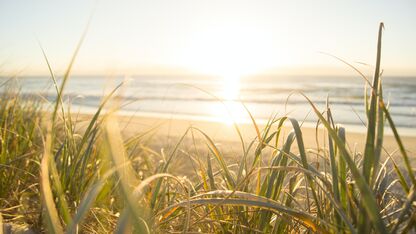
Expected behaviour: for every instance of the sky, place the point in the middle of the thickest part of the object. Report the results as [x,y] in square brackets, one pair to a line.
[219,37]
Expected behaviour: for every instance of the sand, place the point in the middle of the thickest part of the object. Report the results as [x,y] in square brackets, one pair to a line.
[161,135]
[226,133]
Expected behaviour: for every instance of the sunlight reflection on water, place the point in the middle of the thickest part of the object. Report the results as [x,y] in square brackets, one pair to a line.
[232,111]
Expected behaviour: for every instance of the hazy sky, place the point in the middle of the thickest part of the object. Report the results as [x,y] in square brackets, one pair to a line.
[215,36]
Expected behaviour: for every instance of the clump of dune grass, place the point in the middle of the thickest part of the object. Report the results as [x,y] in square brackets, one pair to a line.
[20,144]
[91,179]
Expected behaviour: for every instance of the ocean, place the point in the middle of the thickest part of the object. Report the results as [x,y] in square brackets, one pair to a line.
[218,99]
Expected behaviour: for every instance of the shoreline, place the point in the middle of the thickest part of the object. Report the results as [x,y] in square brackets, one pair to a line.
[354,128]
[226,133]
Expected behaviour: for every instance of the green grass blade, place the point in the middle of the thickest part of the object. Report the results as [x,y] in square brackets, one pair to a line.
[218,156]
[379,133]
[302,152]
[369,201]
[369,154]
[342,170]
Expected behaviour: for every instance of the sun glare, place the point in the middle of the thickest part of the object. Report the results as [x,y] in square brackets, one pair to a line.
[230,90]
[232,111]
[229,52]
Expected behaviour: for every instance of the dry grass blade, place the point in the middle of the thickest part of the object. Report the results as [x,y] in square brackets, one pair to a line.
[252,200]
[88,201]
[51,214]
[1,224]
[350,65]
[114,146]
[139,190]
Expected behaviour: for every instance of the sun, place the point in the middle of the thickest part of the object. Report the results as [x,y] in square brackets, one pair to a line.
[229,52]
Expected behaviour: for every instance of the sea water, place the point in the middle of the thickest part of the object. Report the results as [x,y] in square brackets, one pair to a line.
[220,98]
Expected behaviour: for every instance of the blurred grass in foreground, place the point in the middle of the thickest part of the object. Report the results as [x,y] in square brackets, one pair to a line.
[57,176]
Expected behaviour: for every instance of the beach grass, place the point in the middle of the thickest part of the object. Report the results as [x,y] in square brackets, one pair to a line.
[58,175]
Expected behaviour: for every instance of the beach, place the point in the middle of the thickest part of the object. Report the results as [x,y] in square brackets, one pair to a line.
[209,144]
[207,117]
[226,134]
